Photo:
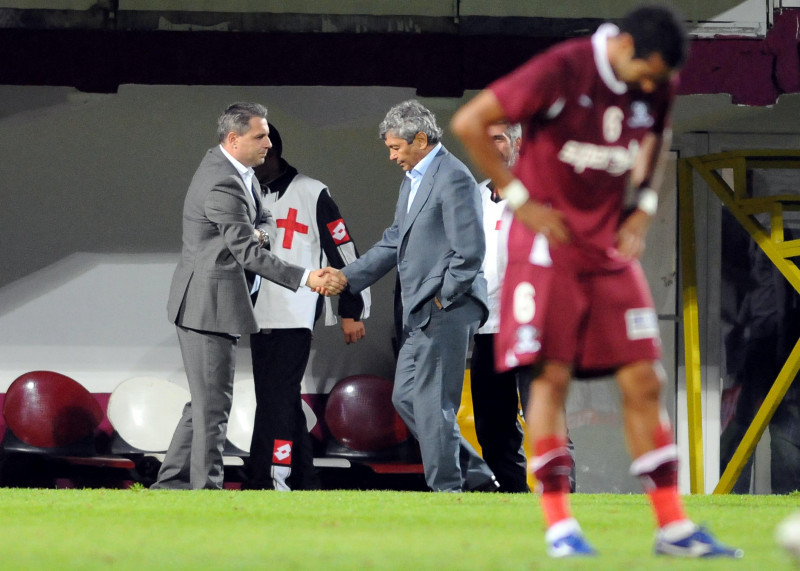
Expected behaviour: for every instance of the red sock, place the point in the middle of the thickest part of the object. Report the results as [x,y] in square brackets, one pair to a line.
[555,506]
[551,465]
[667,505]
[658,472]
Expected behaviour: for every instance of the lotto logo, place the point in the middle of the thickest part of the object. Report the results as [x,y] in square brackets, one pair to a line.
[282,452]
[338,231]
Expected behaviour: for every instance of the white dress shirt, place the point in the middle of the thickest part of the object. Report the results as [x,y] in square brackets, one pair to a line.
[415,175]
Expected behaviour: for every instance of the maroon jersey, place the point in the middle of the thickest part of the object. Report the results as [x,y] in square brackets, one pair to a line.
[582,137]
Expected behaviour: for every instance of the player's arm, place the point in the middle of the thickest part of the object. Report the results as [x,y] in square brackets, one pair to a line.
[651,162]
[646,176]
[471,124]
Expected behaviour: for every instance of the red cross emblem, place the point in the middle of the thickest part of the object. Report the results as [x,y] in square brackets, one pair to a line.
[290,225]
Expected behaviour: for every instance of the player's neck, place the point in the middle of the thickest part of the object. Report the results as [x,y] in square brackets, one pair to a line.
[621,52]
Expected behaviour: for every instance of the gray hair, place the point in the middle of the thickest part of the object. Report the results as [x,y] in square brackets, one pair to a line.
[408,118]
[514,132]
[237,117]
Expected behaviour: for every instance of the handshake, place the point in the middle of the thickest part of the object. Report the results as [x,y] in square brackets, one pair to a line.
[327,281]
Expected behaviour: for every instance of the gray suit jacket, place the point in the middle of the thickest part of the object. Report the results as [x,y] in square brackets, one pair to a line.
[209,290]
[437,246]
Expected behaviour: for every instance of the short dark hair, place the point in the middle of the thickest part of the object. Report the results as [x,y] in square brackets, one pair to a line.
[277,142]
[657,29]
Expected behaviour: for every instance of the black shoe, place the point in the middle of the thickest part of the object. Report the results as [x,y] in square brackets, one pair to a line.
[491,485]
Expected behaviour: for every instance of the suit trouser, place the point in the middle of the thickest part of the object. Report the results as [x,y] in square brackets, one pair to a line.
[279,362]
[194,457]
[427,395]
[495,403]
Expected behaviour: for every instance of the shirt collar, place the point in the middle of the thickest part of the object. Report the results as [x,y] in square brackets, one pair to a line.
[422,166]
[600,47]
[245,172]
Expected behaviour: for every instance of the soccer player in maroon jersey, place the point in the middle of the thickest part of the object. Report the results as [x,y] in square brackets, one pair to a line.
[595,113]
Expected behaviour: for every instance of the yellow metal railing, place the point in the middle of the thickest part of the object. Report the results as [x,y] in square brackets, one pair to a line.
[771,240]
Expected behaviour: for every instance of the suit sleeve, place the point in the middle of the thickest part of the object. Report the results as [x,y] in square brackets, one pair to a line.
[226,207]
[266,223]
[375,262]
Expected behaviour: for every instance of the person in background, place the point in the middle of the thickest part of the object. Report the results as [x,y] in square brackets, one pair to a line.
[495,395]
[764,334]
[309,231]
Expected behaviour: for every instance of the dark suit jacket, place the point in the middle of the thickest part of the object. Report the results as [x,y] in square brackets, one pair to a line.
[437,246]
[209,291]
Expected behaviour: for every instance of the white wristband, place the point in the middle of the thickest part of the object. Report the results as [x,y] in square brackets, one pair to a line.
[516,194]
[648,201]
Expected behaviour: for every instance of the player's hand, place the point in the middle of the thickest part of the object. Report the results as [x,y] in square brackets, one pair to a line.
[544,220]
[353,330]
[631,235]
[327,281]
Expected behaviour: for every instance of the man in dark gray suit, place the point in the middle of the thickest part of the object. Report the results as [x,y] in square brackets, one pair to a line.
[437,244]
[222,261]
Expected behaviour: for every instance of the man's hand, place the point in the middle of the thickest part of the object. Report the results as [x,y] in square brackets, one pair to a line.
[353,330]
[327,281]
[543,219]
[631,235]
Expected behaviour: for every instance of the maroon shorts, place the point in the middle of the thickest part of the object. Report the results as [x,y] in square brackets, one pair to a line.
[594,320]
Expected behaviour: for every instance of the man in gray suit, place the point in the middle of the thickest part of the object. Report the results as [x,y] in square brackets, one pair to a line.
[437,244]
[223,259]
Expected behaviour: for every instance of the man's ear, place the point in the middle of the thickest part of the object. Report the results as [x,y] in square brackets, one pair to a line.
[421,139]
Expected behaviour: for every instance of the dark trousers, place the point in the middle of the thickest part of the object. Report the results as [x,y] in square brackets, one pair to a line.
[495,403]
[279,361]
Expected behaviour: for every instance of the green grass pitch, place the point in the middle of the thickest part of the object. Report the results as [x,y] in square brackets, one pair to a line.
[143,529]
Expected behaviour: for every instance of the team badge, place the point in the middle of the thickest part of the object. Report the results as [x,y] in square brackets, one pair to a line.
[338,232]
[641,323]
[282,452]
[527,340]
[640,117]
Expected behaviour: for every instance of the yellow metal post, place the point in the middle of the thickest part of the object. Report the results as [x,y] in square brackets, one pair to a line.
[691,326]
